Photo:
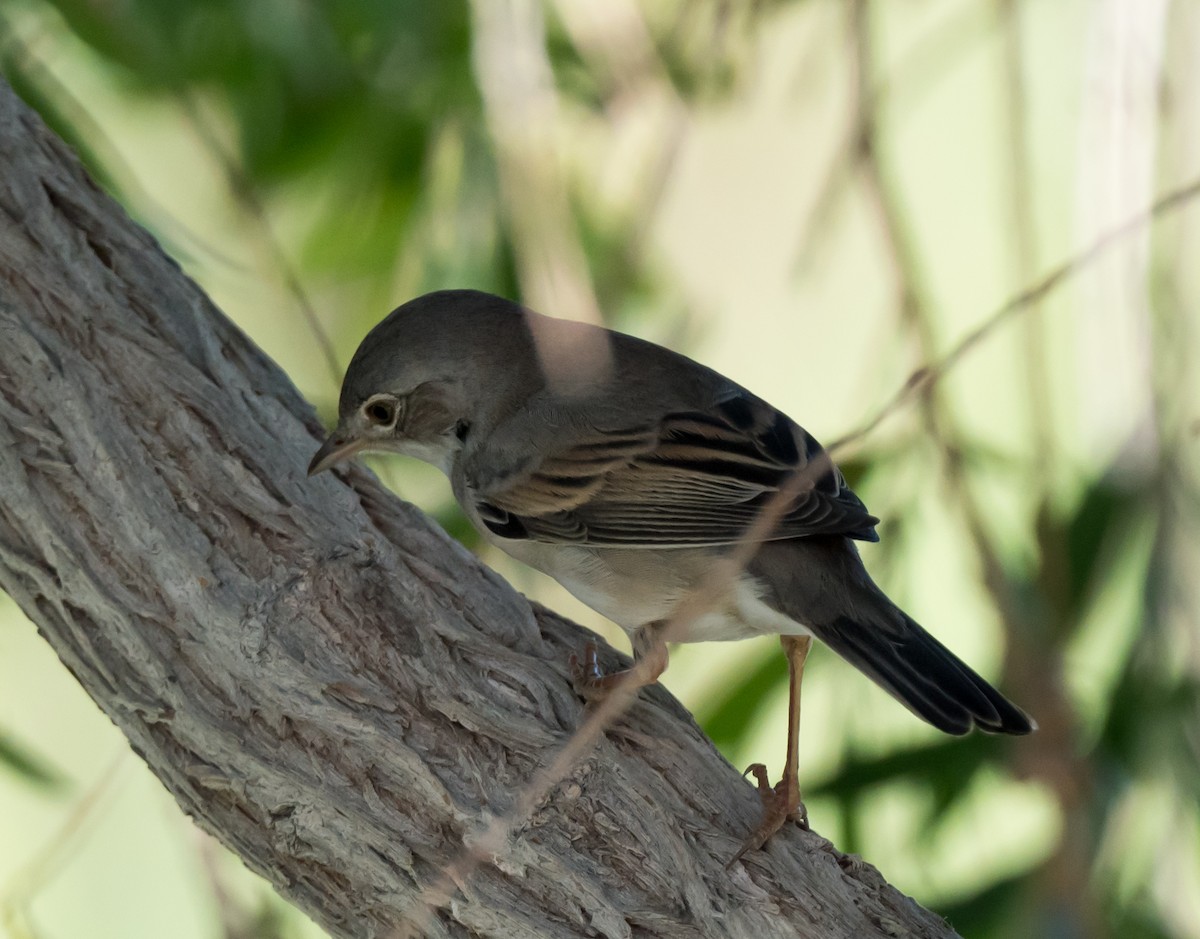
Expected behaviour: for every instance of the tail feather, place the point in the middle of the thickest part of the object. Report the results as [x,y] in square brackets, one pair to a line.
[925,676]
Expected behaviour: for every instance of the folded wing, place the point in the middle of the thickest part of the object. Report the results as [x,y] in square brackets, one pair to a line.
[693,478]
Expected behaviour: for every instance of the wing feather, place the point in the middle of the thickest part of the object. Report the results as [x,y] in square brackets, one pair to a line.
[693,479]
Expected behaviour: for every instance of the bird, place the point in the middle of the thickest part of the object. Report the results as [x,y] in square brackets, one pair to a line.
[626,471]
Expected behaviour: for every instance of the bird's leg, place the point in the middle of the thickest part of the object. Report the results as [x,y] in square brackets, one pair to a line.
[649,661]
[781,802]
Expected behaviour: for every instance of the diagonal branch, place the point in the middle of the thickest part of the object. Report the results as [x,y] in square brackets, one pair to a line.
[319,676]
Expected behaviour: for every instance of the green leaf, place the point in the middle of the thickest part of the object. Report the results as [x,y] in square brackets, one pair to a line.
[27,765]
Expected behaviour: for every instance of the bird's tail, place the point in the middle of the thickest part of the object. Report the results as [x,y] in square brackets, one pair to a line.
[846,610]
[925,676]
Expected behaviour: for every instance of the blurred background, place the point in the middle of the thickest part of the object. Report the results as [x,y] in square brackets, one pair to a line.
[816,197]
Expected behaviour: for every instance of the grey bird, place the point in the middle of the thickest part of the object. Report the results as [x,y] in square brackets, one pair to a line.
[625,471]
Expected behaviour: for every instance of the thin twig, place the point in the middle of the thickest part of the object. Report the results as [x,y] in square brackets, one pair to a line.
[247,197]
[923,68]
[492,840]
[922,384]
[1021,302]
[50,859]
[1025,235]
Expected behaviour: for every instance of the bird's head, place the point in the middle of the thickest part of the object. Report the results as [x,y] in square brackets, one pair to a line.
[419,379]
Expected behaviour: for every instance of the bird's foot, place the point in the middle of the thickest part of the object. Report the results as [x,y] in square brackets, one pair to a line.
[593,684]
[588,678]
[781,804]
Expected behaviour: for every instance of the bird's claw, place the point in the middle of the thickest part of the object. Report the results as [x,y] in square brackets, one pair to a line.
[781,804]
[588,678]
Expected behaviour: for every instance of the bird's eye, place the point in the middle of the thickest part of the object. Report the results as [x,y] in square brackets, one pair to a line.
[380,412]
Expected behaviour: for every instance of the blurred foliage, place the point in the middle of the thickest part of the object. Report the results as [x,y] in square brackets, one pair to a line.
[373,109]
[25,764]
[372,123]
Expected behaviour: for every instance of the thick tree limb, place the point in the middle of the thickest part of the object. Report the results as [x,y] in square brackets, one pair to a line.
[321,677]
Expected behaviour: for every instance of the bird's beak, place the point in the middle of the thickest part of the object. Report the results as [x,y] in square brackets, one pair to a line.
[338,447]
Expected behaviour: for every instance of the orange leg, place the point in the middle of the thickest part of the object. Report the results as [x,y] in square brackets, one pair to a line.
[781,803]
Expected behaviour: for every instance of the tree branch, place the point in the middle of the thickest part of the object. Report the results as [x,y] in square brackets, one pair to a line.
[323,679]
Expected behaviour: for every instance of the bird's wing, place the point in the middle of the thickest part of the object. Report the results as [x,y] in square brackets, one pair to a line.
[692,478]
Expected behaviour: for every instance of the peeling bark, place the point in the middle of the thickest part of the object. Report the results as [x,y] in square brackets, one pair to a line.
[319,675]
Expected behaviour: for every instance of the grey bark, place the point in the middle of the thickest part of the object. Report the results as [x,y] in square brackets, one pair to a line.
[319,675]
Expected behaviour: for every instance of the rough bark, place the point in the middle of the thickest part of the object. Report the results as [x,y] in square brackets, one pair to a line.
[318,674]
